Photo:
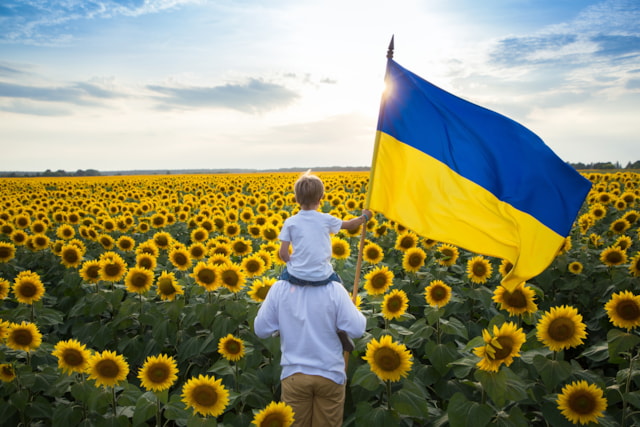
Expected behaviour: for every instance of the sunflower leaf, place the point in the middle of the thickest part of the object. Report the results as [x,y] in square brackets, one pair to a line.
[619,342]
[463,412]
[552,372]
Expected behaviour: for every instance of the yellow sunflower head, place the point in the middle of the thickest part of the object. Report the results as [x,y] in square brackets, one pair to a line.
[479,269]
[23,336]
[158,373]
[206,395]
[623,242]
[138,280]
[413,259]
[231,348]
[388,360]
[340,248]
[394,304]
[7,251]
[126,243]
[406,241]
[275,414]
[619,226]
[207,275]
[4,288]
[505,267]
[378,280]
[197,251]
[581,402]
[613,255]
[107,368]
[72,356]
[500,347]
[70,256]
[232,277]
[112,267]
[437,294]
[623,310]
[241,246]
[448,254]
[27,287]
[517,302]
[253,266]
[180,258]
[167,286]
[372,253]
[162,239]
[561,328]
[634,266]
[575,267]
[260,288]
[7,373]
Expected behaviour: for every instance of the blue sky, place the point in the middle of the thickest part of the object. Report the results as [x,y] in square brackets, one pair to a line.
[191,84]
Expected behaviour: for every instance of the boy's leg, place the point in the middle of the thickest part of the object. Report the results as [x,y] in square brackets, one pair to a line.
[297,392]
[328,403]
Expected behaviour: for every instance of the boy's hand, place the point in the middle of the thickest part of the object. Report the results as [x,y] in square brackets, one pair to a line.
[367,213]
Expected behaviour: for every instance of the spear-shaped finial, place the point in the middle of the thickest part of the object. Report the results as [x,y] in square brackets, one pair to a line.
[390,50]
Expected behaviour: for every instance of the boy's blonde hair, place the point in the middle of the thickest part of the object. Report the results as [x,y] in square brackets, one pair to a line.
[308,189]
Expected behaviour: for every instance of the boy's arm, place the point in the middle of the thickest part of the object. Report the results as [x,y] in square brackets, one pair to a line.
[357,221]
[284,251]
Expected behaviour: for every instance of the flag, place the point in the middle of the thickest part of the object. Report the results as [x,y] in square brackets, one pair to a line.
[458,173]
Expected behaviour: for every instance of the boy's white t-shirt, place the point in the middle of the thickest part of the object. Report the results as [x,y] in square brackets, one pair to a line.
[309,232]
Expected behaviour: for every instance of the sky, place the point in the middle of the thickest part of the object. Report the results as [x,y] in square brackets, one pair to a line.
[245,84]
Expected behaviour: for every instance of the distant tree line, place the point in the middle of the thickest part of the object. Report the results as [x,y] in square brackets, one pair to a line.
[606,165]
[50,173]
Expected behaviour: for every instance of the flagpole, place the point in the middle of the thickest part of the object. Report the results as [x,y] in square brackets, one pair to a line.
[356,280]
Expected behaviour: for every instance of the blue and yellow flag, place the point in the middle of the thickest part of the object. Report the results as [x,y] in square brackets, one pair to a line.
[455,172]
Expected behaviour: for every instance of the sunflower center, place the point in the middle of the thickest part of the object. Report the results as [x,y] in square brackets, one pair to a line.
[628,310]
[205,396]
[23,337]
[394,304]
[379,281]
[180,258]
[112,269]
[515,299]
[253,266]
[262,292]
[438,293]
[139,280]
[73,357]
[406,243]
[387,359]
[582,403]
[71,256]
[158,373]
[561,329]
[6,252]
[479,269]
[207,276]
[107,369]
[338,250]
[232,347]
[372,253]
[230,278]
[28,289]
[505,351]
[614,257]
[272,420]
[166,287]
[240,247]
[415,260]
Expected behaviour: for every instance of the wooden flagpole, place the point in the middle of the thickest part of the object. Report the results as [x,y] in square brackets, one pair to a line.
[356,280]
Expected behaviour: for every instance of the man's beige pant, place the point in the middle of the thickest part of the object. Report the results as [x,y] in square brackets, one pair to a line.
[316,401]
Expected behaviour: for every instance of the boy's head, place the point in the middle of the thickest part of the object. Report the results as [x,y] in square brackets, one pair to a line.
[309,189]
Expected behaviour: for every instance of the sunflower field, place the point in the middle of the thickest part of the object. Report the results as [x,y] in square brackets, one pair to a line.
[129,301]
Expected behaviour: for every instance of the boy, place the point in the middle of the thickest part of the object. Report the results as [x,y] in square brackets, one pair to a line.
[307,306]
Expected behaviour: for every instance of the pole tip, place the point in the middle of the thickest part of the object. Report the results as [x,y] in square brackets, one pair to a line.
[390,50]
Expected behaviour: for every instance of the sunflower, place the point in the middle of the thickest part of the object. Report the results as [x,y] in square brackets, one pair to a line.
[72,356]
[148,247]
[449,253]
[623,310]
[406,241]
[585,222]
[158,373]
[232,277]
[388,360]
[70,256]
[40,241]
[112,267]
[274,415]
[180,258]
[566,246]
[560,328]
[241,246]
[516,302]
[4,288]
[253,266]
[437,294]
[598,210]
[623,242]
[260,288]
[138,280]
[23,336]
[413,259]
[220,248]
[372,253]
[232,229]
[613,255]
[231,348]
[65,232]
[395,304]
[4,329]
[125,243]
[205,395]
[266,257]
[575,267]
[158,220]
[619,226]
[207,275]
[581,402]
[378,280]
[107,368]
[107,242]
[479,269]
[146,260]
[501,347]
[340,248]
[596,240]
[634,266]
[167,286]
[27,287]
[7,251]
[631,216]
[7,373]
[505,267]
[269,233]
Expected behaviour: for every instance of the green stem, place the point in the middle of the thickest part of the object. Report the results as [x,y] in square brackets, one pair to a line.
[237,379]
[627,387]
[158,412]
[438,329]
[388,395]
[33,313]
[113,393]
